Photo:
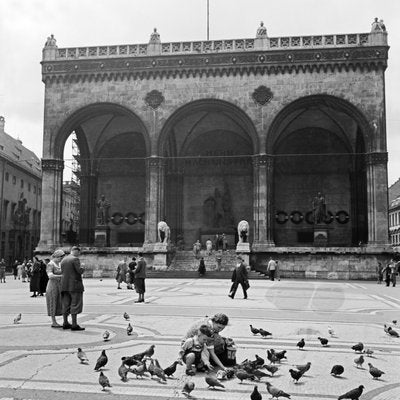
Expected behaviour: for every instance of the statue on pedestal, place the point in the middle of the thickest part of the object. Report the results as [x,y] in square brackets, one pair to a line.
[261,31]
[163,232]
[102,210]
[319,208]
[155,37]
[243,231]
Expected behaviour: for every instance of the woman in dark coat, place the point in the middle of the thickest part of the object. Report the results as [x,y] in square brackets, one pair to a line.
[34,285]
[240,276]
[202,267]
[43,277]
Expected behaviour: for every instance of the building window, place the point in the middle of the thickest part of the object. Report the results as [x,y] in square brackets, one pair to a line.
[34,189]
[39,191]
[22,183]
[29,187]
[14,180]
[7,176]
[5,210]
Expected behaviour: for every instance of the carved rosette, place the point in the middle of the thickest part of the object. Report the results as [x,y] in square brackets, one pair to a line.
[52,164]
[262,95]
[263,160]
[156,162]
[376,158]
[154,99]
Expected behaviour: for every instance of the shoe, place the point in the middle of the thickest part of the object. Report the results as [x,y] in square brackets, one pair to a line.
[57,326]
[67,326]
[34,295]
[229,295]
[139,301]
[118,288]
[77,328]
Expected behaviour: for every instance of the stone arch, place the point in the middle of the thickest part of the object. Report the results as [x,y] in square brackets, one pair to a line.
[318,144]
[211,105]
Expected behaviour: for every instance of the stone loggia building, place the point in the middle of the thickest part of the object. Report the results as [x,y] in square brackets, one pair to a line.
[205,134]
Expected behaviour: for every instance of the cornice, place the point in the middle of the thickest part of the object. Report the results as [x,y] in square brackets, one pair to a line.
[217,65]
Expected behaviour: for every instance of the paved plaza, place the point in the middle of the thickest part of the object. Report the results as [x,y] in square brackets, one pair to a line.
[38,362]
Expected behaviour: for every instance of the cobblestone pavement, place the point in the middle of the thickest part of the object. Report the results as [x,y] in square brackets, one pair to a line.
[38,362]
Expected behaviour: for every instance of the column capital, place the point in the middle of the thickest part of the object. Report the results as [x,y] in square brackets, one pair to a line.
[375,158]
[156,161]
[52,164]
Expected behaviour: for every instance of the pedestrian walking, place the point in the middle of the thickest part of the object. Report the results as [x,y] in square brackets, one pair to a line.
[122,270]
[379,271]
[15,269]
[72,289]
[53,289]
[34,284]
[140,277]
[22,272]
[240,276]
[218,259]
[202,267]
[271,269]
[43,276]
[2,271]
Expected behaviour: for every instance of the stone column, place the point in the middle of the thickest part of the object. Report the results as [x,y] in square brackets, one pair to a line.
[262,202]
[52,170]
[154,198]
[87,211]
[377,188]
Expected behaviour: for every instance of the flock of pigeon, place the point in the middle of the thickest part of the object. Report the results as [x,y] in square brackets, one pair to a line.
[144,364]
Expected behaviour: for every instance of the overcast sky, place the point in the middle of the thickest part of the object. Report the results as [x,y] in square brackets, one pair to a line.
[26,24]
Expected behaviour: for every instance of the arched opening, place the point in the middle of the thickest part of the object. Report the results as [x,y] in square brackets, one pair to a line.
[208,146]
[111,147]
[318,145]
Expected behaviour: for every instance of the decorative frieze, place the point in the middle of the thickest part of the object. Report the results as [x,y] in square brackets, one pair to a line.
[262,95]
[376,158]
[52,164]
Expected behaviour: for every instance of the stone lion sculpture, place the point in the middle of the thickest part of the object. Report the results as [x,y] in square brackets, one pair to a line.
[243,231]
[163,232]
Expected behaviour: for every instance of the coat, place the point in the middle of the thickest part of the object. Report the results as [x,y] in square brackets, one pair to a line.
[241,274]
[71,278]
[140,271]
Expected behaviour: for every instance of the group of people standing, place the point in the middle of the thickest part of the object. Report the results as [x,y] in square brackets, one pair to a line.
[134,275]
[388,272]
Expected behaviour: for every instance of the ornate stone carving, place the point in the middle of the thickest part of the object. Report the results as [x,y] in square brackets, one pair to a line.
[52,164]
[262,95]
[154,99]
[155,37]
[261,31]
[243,231]
[263,160]
[163,232]
[376,158]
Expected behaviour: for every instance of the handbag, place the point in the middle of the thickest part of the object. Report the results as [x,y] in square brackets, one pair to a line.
[246,284]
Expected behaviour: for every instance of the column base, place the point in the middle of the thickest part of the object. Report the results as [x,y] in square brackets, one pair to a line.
[102,236]
[259,247]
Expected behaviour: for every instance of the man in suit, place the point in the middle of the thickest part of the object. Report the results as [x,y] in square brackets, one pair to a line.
[140,276]
[240,276]
[72,289]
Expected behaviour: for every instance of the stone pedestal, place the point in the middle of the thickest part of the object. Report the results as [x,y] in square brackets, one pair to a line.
[320,235]
[102,236]
[244,250]
[160,256]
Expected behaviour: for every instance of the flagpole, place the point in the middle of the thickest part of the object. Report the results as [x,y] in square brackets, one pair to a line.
[208,19]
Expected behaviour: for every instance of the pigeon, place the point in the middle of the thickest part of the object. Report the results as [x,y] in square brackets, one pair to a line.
[106,336]
[259,361]
[275,392]
[188,388]
[353,394]
[104,382]
[129,330]
[271,369]
[358,348]
[368,352]
[259,374]
[130,361]
[264,333]
[149,352]
[17,318]
[301,343]
[82,356]
[169,371]
[392,332]
[254,331]
[122,372]
[295,374]
[359,361]
[139,369]
[304,367]
[242,375]
[324,341]
[337,370]
[255,394]
[213,382]
[375,372]
[126,316]
[394,322]
[331,331]
[221,375]
[101,361]
[272,357]
[159,373]
[385,328]
[151,367]
[280,354]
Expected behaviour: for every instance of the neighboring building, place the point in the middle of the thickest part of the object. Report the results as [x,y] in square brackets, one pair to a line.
[206,134]
[70,212]
[20,198]
[394,191]
[394,223]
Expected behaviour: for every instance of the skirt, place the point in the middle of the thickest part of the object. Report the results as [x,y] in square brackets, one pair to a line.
[53,297]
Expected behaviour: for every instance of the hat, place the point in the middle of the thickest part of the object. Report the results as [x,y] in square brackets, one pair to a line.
[58,253]
[75,248]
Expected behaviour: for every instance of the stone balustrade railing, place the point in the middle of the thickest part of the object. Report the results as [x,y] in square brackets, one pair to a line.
[215,46]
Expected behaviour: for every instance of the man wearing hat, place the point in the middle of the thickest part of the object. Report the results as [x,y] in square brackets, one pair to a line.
[72,289]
